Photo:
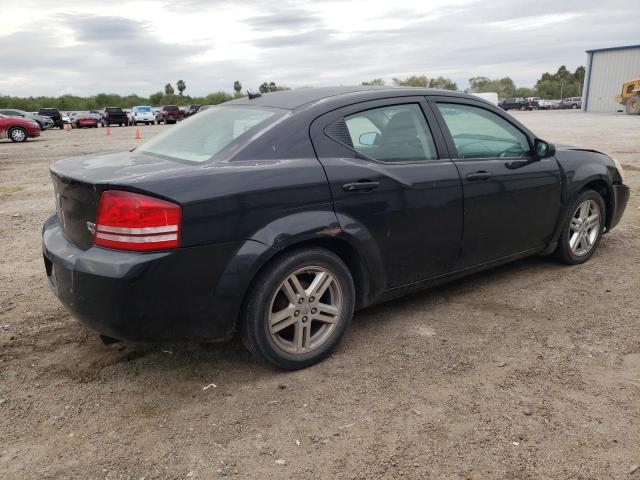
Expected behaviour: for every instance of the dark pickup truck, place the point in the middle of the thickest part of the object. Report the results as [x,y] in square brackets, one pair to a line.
[54,115]
[114,116]
[169,114]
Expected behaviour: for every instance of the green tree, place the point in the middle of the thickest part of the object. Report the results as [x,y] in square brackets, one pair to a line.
[504,87]
[237,88]
[181,87]
[271,87]
[168,89]
[156,98]
[443,83]
[412,81]
[376,82]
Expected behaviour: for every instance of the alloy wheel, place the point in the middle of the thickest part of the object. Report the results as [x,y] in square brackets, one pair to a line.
[584,227]
[305,310]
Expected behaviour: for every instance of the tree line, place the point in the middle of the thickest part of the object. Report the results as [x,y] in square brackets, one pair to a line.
[558,85]
[561,84]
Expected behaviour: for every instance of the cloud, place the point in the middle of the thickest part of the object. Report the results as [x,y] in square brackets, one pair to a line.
[89,46]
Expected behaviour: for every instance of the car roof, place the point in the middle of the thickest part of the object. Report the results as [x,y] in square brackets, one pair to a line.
[294,99]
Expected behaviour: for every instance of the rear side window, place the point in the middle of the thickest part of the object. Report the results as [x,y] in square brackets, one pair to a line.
[201,137]
[479,133]
[397,133]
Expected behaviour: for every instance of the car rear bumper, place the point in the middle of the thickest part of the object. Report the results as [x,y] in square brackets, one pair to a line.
[620,199]
[187,294]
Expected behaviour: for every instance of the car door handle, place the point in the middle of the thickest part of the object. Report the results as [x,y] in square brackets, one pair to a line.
[478,176]
[363,186]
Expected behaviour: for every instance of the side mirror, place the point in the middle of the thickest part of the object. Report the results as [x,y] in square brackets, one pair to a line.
[368,138]
[544,149]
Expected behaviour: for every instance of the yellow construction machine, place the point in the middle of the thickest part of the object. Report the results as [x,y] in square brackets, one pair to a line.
[630,97]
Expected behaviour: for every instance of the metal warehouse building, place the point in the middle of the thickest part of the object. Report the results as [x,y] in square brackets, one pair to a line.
[607,70]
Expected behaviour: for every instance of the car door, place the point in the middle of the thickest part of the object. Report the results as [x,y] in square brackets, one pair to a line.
[511,197]
[390,177]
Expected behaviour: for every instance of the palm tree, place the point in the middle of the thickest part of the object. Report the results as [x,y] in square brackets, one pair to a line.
[168,89]
[181,86]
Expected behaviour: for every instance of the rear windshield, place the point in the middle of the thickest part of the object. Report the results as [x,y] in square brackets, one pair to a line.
[114,110]
[202,136]
[143,109]
[171,108]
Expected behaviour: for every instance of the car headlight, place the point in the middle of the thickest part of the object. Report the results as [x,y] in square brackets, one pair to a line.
[618,165]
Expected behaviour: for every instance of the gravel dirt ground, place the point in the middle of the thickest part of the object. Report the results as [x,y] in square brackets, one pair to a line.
[528,371]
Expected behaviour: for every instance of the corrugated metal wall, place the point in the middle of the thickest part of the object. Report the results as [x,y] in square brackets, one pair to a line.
[609,70]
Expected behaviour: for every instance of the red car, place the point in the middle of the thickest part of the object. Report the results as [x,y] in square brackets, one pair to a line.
[18,129]
[83,120]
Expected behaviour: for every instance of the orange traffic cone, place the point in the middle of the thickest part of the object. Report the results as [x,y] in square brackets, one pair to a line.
[138,134]
[108,132]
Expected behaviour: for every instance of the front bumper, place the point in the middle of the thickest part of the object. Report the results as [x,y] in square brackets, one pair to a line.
[620,199]
[176,295]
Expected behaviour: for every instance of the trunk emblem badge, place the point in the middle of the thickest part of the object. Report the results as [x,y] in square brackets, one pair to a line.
[91,227]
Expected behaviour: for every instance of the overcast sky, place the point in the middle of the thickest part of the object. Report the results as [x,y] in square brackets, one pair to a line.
[89,46]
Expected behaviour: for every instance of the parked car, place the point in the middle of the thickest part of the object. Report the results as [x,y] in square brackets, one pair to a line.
[571,102]
[277,216]
[169,114]
[66,119]
[96,114]
[84,120]
[114,116]
[42,121]
[54,115]
[191,110]
[533,103]
[514,104]
[142,114]
[18,129]
[548,104]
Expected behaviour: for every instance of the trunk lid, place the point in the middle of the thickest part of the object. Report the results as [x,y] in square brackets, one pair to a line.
[79,182]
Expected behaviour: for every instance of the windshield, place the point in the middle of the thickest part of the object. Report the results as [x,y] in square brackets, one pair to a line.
[202,136]
[143,109]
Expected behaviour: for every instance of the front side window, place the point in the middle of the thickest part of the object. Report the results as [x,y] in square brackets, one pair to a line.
[397,133]
[202,136]
[479,133]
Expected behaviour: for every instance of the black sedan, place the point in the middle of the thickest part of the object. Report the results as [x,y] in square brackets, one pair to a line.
[279,215]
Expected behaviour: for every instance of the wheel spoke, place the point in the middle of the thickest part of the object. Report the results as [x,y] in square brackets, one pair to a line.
[584,210]
[292,288]
[327,313]
[573,241]
[593,220]
[281,320]
[320,283]
[301,337]
[587,239]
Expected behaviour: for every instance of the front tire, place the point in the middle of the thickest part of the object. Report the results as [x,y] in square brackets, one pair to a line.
[582,229]
[298,309]
[18,134]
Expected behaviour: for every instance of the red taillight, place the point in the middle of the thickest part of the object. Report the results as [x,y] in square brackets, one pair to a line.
[131,221]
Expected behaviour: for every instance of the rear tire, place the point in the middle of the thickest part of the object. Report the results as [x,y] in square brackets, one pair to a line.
[18,134]
[582,229]
[632,107]
[298,309]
